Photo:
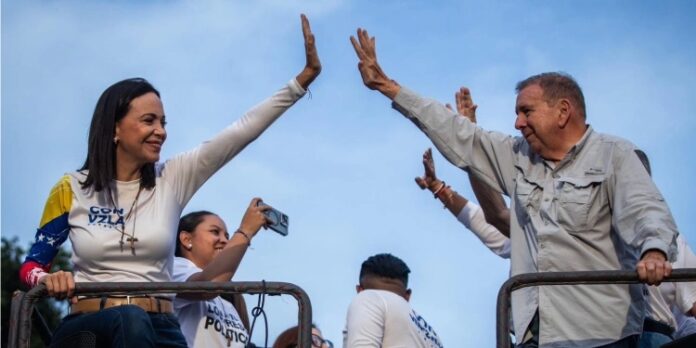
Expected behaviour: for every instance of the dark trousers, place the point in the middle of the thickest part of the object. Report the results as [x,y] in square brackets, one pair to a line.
[122,326]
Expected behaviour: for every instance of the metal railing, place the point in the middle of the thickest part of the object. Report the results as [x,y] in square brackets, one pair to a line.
[566,278]
[20,321]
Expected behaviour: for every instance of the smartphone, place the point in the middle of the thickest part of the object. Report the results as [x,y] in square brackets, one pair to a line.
[277,221]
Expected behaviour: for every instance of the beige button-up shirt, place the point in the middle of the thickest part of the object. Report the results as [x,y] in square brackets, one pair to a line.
[597,209]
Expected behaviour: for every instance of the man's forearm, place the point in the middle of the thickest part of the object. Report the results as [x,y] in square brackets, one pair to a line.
[490,154]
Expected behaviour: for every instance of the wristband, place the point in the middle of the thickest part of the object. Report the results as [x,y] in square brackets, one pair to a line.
[245,236]
[442,185]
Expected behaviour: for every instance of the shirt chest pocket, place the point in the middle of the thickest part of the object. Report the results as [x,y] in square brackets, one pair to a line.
[575,196]
[527,195]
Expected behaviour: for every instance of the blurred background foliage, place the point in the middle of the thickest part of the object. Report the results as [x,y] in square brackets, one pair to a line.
[52,311]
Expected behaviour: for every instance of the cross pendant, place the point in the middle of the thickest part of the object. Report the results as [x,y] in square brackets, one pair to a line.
[132,241]
[121,243]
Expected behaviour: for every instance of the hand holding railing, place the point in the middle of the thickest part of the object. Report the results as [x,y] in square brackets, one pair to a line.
[567,278]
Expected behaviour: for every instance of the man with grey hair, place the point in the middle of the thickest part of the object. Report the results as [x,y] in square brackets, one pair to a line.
[580,201]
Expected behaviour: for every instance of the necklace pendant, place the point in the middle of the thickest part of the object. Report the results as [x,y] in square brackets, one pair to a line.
[124,220]
[132,241]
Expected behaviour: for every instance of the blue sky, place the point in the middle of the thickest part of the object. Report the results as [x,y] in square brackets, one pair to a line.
[342,163]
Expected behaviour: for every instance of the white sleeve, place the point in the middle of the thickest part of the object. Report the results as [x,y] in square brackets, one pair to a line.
[685,291]
[183,270]
[365,321]
[472,217]
[186,172]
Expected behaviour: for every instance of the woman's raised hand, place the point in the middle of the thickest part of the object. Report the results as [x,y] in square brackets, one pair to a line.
[254,218]
[313,66]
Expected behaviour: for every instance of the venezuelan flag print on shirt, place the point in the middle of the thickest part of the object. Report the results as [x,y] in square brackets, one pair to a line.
[52,232]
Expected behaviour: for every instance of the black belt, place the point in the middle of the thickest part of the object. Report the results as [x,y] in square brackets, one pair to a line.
[656,326]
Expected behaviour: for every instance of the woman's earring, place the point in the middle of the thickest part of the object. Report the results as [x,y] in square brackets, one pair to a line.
[116,139]
[190,246]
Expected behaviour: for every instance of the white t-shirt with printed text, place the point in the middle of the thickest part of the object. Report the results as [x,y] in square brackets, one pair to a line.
[211,323]
[380,318]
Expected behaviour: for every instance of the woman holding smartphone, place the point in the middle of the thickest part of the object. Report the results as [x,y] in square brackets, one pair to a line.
[205,252]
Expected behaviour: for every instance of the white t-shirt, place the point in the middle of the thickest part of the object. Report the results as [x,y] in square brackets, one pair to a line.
[211,323]
[658,309]
[380,318]
[681,294]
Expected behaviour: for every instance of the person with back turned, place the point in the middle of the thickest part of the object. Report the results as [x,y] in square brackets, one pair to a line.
[380,315]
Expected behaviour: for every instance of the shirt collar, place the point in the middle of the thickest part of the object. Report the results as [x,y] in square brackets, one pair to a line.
[573,152]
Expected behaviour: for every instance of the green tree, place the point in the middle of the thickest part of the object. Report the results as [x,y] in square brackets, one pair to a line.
[12,258]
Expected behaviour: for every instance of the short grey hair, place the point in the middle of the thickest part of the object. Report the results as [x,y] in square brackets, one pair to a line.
[556,85]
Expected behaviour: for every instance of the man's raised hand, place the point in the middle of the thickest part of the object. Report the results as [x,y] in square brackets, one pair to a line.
[372,74]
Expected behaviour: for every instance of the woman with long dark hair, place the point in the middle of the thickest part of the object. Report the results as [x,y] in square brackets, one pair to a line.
[122,208]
